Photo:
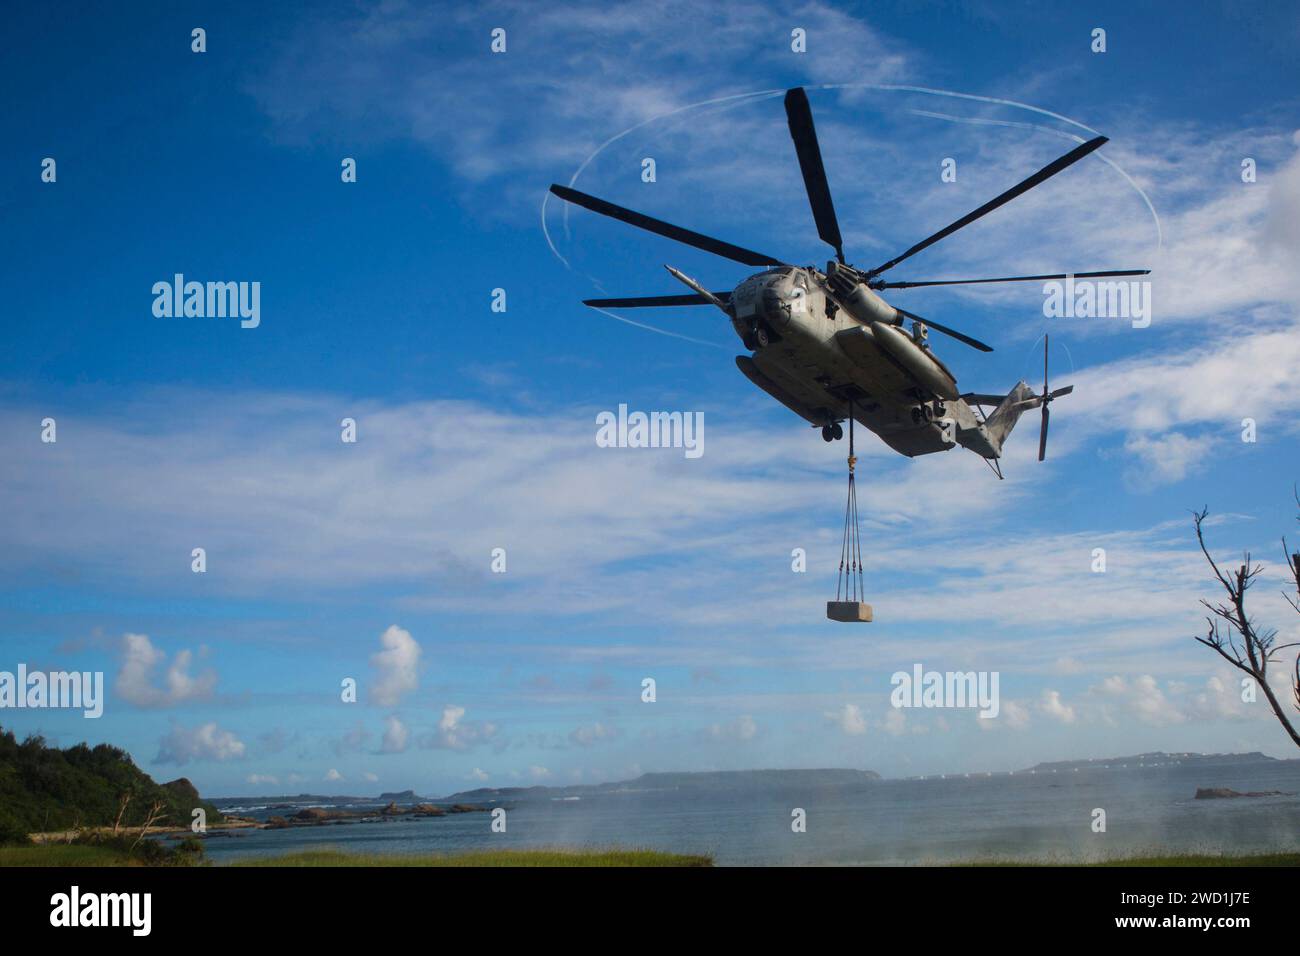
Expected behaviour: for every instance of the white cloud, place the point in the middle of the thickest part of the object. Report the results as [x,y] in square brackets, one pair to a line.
[383,73]
[204,742]
[587,513]
[1163,703]
[895,722]
[1052,705]
[850,719]
[333,776]
[396,666]
[456,733]
[353,740]
[1220,380]
[741,729]
[479,775]
[1140,697]
[395,736]
[451,715]
[1165,458]
[613,534]
[262,779]
[140,663]
[1014,713]
[589,735]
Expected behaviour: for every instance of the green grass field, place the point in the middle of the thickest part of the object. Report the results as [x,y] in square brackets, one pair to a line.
[61,854]
[1264,859]
[65,854]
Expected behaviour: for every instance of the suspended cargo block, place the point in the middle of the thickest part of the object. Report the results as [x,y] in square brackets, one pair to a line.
[849,612]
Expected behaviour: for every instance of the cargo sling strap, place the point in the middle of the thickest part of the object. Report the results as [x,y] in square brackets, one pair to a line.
[849,581]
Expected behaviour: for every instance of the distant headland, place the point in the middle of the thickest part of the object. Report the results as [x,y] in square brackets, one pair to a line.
[1150,760]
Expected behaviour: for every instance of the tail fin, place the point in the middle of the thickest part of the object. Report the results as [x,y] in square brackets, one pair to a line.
[1017,401]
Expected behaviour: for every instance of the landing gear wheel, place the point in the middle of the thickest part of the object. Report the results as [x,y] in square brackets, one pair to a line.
[916,416]
[749,342]
[927,412]
[827,433]
[761,337]
[837,432]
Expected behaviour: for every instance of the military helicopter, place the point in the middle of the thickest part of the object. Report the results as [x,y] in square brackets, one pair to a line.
[827,346]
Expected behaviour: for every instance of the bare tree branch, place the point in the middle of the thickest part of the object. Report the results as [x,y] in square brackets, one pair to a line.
[122,803]
[1230,621]
[155,812]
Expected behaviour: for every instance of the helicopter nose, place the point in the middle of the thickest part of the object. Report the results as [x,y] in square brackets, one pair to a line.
[776,303]
[765,300]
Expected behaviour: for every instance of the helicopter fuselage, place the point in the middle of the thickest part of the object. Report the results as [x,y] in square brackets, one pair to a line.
[828,347]
[817,352]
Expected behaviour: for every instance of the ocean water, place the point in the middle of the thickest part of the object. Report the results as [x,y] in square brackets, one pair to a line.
[1042,816]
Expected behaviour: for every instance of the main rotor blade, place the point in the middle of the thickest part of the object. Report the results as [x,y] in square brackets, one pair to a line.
[1062,275]
[1047,336]
[1042,435]
[799,118]
[1048,171]
[668,230]
[653,301]
[959,336]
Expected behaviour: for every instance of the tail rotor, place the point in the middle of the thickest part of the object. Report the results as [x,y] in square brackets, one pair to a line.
[1045,400]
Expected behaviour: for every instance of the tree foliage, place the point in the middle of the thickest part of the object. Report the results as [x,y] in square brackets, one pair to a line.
[44,788]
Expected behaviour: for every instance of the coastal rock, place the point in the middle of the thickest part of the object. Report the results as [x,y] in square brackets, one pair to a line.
[1222,793]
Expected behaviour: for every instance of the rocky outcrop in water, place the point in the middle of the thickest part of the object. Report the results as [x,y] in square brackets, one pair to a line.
[320,816]
[1223,793]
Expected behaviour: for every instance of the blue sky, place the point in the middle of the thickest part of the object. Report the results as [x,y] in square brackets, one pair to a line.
[476,429]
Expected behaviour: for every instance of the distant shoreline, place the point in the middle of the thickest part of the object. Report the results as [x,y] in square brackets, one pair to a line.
[67,836]
[703,779]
